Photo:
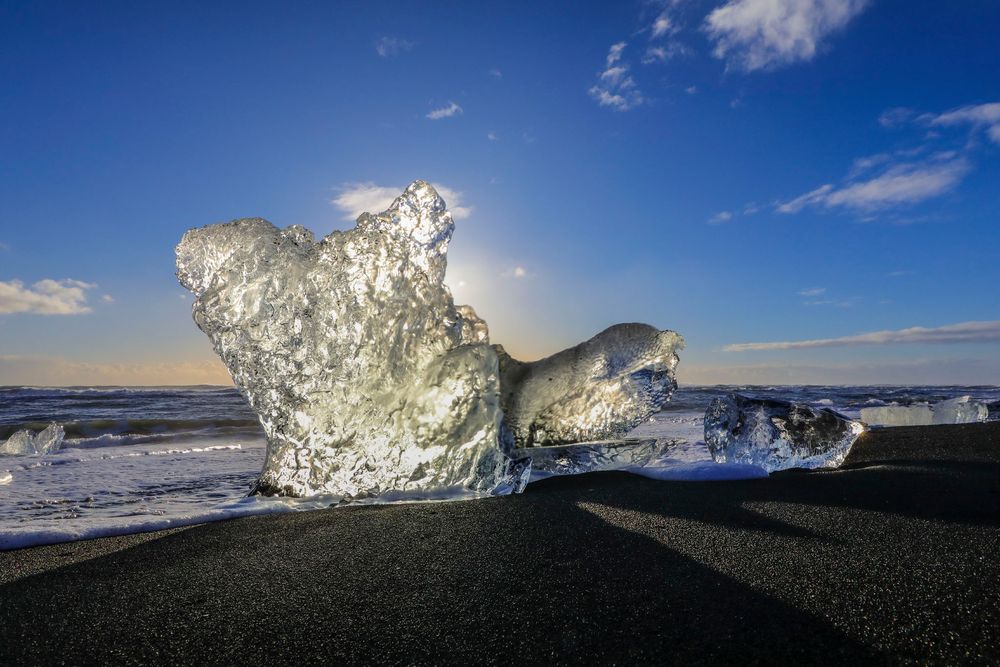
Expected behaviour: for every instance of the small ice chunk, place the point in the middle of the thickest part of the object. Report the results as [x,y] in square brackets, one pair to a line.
[584,457]
[25,442]
[898,415]
[961,410]
[777,435]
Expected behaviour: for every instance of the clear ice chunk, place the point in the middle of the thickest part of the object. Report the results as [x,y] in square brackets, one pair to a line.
[777,435]
[600,389]
[26,443]
[898,415]
[369,380]
[596,456]
[961,410]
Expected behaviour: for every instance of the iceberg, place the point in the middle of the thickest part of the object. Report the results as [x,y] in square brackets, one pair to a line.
[368,379]
[777,435]
[26,443]
[961,410]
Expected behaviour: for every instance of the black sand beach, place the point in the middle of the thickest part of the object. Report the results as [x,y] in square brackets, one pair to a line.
[893,558]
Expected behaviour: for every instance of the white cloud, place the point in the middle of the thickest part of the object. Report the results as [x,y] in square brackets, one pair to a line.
[812,291]
[661,26]
[897,184]
[46,297]
[655,54]
[899,274]
[107,298]
[977,116]
[720,217]
[357,198]
[492,136]
[615,53]
[895,117]
[496,74]
[448,111]
[387,47]
[691,90]
[615,88]
[765,34]
[963,332]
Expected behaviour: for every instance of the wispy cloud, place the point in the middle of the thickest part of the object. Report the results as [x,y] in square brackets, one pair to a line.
[387,47]
[812,291]
[899,274]
[765,34]
[495,73]
[615,88]
[45,297]
[357,198]
[979,116]
[897,184]
[720,217]
[447,111]
[963,332]
[492,136]
[107,298]
[662,25]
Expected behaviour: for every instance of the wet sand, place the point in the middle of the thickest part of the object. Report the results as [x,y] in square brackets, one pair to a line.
[893,558]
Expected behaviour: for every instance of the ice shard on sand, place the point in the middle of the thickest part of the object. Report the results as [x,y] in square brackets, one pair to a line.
[369,380]
[777,435]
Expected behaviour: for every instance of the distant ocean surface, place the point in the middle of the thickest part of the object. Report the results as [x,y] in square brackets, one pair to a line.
[138,459]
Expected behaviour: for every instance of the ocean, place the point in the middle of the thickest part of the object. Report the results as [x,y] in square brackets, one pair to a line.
[146,458]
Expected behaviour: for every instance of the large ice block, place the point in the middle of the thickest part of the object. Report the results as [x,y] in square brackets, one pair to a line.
[369,380]
[777,435]
[961,410]
[599,389]
[365,375]
[25,442]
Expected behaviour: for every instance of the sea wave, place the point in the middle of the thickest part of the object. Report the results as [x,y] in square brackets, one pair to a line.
[114,432]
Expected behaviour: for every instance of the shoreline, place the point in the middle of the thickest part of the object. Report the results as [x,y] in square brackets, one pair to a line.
[892,557]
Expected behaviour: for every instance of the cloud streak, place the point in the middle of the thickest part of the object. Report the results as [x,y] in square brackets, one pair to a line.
[963,332]
[615,88]
[45,297]
[766,34]
[897,184]
[357,198]
[447,111]
[388,47]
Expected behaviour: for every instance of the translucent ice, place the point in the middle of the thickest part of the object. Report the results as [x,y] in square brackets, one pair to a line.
[777,435]
[593,456]
[369,380]
[898,415]
[961,410]
[602,388]
[25,442]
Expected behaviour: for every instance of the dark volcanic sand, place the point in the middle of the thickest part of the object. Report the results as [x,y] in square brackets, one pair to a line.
[893,558]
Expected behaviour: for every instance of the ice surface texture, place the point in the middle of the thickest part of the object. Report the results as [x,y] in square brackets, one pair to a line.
[25,442]
[777,435]
[594,456]
[602,388]
[366,376]
[961,410]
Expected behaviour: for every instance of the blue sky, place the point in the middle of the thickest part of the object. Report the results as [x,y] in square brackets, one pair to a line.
[818,177]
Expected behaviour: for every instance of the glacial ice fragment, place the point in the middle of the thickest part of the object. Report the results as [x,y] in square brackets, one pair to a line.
[777,435]
[961,410]
[599,389]
[25,442]
[365,375]
[369,380]
[584,457]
